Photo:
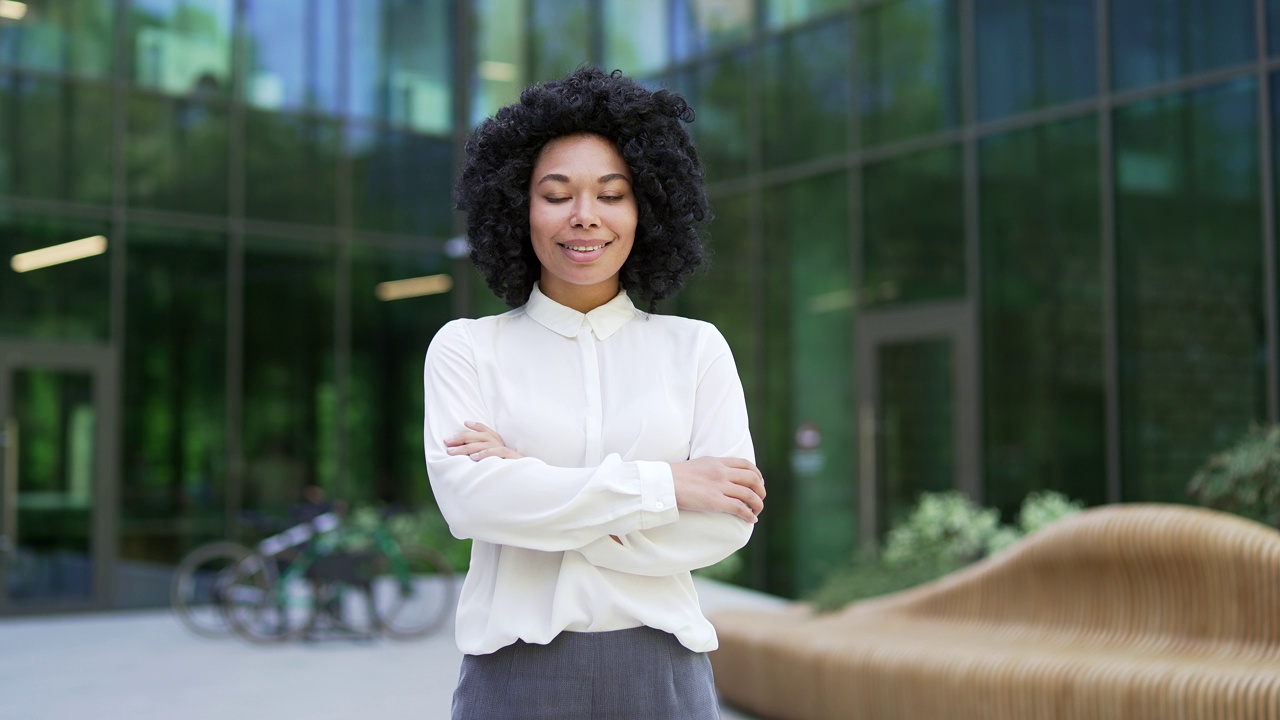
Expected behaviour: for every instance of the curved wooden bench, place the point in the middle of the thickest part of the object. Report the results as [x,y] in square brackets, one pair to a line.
[1123,612]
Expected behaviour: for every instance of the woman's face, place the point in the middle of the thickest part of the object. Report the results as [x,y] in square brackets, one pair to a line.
[582,219]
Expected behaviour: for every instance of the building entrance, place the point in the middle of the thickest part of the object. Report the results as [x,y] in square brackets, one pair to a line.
[918,420]
[57,479]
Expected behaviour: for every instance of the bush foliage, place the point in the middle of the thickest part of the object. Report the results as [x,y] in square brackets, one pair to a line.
[944,532]
[1243,479]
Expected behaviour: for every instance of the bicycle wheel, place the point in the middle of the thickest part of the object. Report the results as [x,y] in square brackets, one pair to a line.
[413,592]
[265,605]
[195,593]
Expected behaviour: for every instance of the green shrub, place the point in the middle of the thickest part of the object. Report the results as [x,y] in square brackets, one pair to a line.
[944,532]
[1243,479]
[424,527]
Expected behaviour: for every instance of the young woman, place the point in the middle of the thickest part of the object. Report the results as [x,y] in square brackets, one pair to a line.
[595,453]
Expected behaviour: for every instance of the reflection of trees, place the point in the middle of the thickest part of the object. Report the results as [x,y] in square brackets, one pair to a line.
[291,168]
[806,93]
[908,64]
[177,154]
[559,38]
[57,144]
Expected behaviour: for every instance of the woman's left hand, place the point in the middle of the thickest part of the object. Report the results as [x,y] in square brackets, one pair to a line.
[478,442]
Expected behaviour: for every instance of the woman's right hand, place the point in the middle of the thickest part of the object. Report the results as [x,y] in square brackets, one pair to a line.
[713,484]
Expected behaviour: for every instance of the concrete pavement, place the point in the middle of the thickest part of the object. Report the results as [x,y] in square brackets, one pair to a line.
[143,665]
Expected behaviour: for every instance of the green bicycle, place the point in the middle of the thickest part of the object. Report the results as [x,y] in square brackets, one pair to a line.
[322,572]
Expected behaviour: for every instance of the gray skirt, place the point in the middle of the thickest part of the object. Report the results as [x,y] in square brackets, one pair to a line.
[640,674]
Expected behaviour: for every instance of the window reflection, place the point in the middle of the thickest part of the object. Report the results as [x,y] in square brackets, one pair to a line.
[67,301]
[71,36]
[1190,283]
[291,168]
[722,127]
[292,54]
[806,94]
[560,37]
[401,63]
[1033,53]
[169,137]
[785,13]
[500,71]
[401,182]
[1042,315]
[65,147]
[181,47]
[173,483]
[704,25]
[913,250]
[908,65]
[290,420]
[807,227]
[1155,41]
[384,412]
[636,36]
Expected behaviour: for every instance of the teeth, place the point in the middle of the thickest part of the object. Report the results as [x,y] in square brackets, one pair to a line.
[584,249]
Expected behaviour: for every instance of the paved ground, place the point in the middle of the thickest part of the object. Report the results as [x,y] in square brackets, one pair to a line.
[142,665]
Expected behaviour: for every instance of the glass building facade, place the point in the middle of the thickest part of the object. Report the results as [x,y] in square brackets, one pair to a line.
[991,245]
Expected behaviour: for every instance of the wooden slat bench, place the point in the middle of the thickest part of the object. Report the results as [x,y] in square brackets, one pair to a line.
[1123,612]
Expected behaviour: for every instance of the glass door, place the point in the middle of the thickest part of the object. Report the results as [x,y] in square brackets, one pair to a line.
[55,484]
[919,418]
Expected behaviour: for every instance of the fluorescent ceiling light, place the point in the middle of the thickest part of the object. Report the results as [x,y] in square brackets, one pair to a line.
[57,254]
[12,10]
[495,71]
[413,287]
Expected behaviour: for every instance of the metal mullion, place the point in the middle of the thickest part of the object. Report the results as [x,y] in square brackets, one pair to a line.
[342,316]
[69,208]
[1266,169]
[969,360]
[235,229]
[463,60]
[1107,221]
[864,506]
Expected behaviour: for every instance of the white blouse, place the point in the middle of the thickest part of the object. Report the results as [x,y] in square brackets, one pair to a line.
[598,404]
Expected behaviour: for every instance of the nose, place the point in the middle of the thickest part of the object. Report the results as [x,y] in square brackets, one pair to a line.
[584,214]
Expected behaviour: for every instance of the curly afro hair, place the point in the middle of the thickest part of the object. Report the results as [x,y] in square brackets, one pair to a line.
[645,126]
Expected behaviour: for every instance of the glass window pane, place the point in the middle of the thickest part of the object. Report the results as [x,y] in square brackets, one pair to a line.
[181,47]
[290,419]
[72,36]
[1033,54]
[636,36]
[1191,318]
[291,168]
[909,69]
[721,129]
[56,420]
[173,488]
[55,143]
[65,301]
[915,441]
[389,336]
[402,69]
[807,230]
[913,249]
[560,35]
[785,13]
[177,154]
[1155,41]
[401,182]
[291,51]
[1042,332]
[1273,27]
[499,74]
[704,25]
[806,94]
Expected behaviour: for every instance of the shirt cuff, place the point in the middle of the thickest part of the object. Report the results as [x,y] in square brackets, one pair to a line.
[657,494]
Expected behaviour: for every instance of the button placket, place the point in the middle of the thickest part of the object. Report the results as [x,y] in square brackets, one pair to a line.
[594,420]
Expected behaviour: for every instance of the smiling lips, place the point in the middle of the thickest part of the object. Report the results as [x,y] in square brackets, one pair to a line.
[584,252]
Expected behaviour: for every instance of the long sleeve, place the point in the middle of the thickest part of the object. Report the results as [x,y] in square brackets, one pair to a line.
[526,503]
[697,539]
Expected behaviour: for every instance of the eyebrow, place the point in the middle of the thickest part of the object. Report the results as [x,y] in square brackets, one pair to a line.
[557,177]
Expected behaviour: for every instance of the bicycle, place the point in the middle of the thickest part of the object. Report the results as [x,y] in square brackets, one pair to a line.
[195,592]
[309,573]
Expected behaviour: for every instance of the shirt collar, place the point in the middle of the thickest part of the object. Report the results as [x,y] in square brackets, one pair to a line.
[604,320]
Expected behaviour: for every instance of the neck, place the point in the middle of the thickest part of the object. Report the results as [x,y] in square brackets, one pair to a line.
[583,298]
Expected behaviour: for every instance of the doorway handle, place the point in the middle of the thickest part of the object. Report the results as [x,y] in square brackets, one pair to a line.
[9,485]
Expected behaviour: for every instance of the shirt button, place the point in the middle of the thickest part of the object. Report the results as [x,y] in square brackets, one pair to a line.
[659,505]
